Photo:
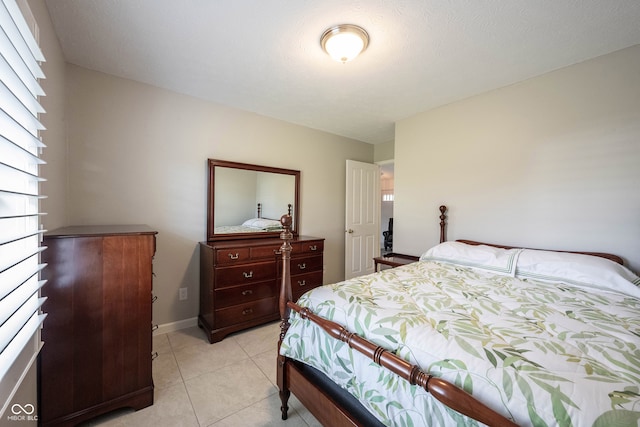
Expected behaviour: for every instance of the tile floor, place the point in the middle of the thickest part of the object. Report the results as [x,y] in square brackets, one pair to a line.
[227,384]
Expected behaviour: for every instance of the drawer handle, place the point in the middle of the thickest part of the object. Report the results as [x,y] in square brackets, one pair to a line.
[277,252]
[154,299]
[302,266]
[154,355]
[302,283]
[232,256]
[313,247]
[247,292]
[154,327]
[248,275]
[247,311]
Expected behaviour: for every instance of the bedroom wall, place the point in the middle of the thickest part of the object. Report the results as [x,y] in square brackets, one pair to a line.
[550,162]
[138,154]
[382,152]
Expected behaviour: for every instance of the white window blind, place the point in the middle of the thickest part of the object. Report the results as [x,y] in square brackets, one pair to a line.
[20,302]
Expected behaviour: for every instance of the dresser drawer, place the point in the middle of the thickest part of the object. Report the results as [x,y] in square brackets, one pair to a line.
[245,274]
[300,265]
[270,251]
[305,282]
[234,295]
[311,247]
[307,247]
[245,312]
[231,255]
[240,280]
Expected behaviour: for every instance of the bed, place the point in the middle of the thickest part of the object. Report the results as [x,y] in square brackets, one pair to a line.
[472,334]
[253,225]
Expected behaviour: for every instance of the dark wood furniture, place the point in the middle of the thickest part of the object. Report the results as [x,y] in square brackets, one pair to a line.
[325,403]
[97,335]
[239,281]
[393,259]
[388,236]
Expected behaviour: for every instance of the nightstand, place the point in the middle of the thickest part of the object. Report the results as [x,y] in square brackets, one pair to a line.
[393,259]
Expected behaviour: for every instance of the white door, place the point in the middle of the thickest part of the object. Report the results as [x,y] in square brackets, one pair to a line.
[362,223]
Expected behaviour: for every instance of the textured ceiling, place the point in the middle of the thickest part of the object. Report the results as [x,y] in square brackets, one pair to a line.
[264,56]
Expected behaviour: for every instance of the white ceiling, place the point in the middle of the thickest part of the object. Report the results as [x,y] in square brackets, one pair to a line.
[264,56]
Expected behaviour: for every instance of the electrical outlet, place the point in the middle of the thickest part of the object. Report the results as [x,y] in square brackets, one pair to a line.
[183,294]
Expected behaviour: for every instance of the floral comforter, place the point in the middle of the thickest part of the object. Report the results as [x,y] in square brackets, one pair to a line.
[542,354]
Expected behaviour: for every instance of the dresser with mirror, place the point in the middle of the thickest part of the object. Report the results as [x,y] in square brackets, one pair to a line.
[240,260]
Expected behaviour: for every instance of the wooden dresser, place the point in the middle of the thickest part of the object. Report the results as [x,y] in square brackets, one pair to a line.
[97,335]
[240,281]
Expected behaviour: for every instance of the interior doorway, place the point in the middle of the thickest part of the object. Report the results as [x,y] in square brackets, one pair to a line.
[362,218]
[386,208]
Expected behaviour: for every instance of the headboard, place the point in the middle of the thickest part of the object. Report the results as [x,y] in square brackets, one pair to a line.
[443,217]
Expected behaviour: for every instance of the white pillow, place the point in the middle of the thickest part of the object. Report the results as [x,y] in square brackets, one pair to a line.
[262,223]
[577,269]
[489,258]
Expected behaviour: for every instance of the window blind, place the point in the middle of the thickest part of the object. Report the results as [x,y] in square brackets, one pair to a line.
[20,302]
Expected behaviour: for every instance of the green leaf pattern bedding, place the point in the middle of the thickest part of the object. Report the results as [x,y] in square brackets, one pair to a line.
[543,354]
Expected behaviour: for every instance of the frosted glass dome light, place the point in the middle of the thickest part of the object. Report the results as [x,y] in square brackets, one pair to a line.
[344,42]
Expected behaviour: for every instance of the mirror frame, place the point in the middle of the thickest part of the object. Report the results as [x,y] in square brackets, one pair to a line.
[213,164]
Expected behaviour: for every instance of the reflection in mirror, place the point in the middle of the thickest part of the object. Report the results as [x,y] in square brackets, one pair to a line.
[265,196]
[248,200]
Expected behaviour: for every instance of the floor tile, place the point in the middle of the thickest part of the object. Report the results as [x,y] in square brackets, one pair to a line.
[267,362]
[218,394]
[171,408]
[187,337]
[296,406]
[196,360]
[264,413]
[229,383]
[165,370]
[259,339]
[161,343]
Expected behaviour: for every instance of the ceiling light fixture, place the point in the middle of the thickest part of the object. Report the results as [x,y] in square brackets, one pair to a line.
[344,42]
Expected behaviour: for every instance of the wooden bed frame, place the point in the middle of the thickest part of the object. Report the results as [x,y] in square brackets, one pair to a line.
[289,210]
[292,377]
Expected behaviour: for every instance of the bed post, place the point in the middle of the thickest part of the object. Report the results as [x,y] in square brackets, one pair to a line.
[285,297]
[443,224]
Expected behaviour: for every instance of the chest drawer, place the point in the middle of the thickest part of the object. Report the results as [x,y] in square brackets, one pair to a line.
[244,274]
[231,255]
[246,312]
[242,294]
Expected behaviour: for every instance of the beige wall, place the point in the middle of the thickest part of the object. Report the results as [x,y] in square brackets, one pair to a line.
[551,162]
[383,152]
[138,154]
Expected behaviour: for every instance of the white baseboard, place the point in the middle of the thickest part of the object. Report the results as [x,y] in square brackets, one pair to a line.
[176,326]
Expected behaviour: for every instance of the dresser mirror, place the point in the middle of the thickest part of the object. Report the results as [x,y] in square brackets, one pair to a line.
[247,201]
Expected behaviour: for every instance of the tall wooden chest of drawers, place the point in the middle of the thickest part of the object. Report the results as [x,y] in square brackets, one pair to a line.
[240,281]
[97,335]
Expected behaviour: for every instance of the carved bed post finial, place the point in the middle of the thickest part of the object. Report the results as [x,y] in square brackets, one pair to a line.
[285,297]
[443,224]
[285,287]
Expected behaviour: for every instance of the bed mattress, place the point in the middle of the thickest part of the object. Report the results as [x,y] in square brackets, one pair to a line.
[537,351]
